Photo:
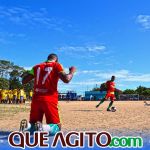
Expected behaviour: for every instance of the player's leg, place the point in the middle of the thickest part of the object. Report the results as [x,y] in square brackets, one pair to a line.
[112,98]
[5,100]
[9,101]
[52,128]
[102,101]
[15,99]
[109,106]
[24,125]
[52,118]
[36,115]
[21,99]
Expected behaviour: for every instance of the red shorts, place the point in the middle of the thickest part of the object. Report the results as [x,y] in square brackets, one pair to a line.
[110,96]
[39,108]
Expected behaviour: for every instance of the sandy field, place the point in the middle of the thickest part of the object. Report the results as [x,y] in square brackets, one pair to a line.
[80,115]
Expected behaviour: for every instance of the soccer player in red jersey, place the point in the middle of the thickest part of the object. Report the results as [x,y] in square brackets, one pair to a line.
[110,86]
[45,96]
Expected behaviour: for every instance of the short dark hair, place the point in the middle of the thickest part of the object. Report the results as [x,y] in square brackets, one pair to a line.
[113,77]
[52,56]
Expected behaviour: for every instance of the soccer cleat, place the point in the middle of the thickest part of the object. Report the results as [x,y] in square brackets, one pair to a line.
[97,106]
[38,126]
[108,109]
[23,125]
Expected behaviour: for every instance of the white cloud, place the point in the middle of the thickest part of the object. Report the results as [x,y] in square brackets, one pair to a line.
[12,35]
[97,48]
[122,75]
[139,78]
[28,68]
[144,21]
[8,37]
[93,48]
[118,74]
[79,86]
[87,82]
[89,71]
[27,17]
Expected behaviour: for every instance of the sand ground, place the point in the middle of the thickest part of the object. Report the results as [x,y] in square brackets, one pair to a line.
[81,115]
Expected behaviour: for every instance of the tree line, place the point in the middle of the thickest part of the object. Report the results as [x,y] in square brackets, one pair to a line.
[10,76]
[141,90]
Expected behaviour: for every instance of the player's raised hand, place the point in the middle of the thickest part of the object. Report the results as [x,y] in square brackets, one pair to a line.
[72,69]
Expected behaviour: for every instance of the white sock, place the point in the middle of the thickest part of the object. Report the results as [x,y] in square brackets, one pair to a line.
[46,128]
[28,127]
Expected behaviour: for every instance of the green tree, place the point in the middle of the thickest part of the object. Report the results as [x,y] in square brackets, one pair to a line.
[5,68]
[146,92]
[15,77]
[129,91]
[10,76]
[4,83]
[28,87]
[15,84]
[96,89]
[140,90]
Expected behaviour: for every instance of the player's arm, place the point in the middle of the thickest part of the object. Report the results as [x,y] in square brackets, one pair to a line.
[66,78]
[27,76]
[103,87]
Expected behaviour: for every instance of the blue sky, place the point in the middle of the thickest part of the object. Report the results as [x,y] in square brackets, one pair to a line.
[100,37]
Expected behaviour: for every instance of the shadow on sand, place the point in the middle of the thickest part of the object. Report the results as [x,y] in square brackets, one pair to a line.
[87,110]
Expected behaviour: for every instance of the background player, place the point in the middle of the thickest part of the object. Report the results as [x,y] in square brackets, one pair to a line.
[30,95]
[45,95]
[110,87]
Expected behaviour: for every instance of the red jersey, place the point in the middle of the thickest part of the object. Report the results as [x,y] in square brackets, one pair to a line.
[110,86]
[46,78]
